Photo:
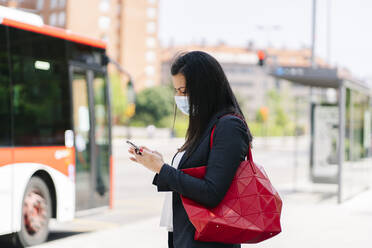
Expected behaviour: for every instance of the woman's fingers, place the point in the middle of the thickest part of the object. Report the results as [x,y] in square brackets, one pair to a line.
[158,153]
[133,159]
[145,148]
[149,150]
[152,160]
[131,151]
[151,153]
[146,152]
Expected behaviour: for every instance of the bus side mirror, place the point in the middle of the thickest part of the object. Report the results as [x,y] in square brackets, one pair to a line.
[105,59]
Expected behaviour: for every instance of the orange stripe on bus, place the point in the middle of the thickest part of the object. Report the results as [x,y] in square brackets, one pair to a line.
[6,156]
[56,157]
[55,32]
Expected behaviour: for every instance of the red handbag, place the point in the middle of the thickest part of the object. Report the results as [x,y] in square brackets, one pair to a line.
[249,212]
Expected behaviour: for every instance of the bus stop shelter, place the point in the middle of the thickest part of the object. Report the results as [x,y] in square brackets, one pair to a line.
[341,141]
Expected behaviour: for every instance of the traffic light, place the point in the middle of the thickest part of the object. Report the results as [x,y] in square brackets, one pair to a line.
[261,57]
[131,110]
[264,112]
[131,96]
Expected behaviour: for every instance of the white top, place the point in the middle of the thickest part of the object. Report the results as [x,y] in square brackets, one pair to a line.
[166,219]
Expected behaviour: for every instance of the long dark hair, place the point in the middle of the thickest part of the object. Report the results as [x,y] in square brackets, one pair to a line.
[208,92]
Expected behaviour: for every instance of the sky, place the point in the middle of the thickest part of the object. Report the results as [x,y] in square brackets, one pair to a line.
[284,23]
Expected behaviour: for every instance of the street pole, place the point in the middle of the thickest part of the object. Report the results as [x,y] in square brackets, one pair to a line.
[312,64]
[341,138]
[313,35]
[295,172]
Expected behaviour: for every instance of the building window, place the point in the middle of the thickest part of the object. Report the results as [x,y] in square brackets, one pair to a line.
[104,22]
[39,4]
[150,82]
[150,42]
[105,38]
[62,19]
[53,19]
[151,13]
[151,27]
[150,70]
[150,56]
[62,3]
[118,9]
[53,4]
[104,6]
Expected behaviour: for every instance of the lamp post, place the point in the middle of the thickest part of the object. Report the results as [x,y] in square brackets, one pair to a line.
[313,30]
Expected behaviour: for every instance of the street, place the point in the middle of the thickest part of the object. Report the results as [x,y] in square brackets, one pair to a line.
[138,205]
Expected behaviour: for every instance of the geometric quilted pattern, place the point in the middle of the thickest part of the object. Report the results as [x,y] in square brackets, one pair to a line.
[249,213]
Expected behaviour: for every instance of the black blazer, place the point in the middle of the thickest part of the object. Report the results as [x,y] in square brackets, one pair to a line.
[230,144]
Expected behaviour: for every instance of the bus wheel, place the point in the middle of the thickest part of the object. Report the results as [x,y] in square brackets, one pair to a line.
[36,212]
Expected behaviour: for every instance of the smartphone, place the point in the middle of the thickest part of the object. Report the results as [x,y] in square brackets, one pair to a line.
[136,148]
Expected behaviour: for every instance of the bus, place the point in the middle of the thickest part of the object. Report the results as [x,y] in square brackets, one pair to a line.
[55,127]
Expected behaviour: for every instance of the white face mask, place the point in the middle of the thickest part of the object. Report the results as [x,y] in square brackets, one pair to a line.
[182,103]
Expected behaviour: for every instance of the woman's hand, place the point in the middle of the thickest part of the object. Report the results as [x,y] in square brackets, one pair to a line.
[152,160]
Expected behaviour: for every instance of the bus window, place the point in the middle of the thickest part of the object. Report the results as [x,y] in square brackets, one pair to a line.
[41,98]
[5,133]
[84,54]
[102,147]
[83,140]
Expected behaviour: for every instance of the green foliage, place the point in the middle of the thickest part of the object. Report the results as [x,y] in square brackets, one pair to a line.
[273,96]
[260,129]
[259,116]
[153,104]
[166,122]
[119,99]
[180,128]
[281,118]
[278,123]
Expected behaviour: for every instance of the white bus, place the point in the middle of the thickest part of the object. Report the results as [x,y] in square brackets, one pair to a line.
[55,135]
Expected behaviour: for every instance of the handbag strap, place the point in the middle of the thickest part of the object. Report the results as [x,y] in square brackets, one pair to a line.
[249,153]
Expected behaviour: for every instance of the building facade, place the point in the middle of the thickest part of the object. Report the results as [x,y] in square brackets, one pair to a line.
[130,28]
[250,82]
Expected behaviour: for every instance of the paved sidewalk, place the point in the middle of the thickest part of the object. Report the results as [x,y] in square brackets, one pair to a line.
[325,225]
[141,234]
[311,217]
[305,224]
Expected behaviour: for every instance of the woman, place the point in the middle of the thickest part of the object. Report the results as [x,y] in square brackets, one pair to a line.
[203,92]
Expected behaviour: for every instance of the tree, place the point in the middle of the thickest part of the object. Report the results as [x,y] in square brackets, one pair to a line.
[119,99]
[153,104]
[280,116]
